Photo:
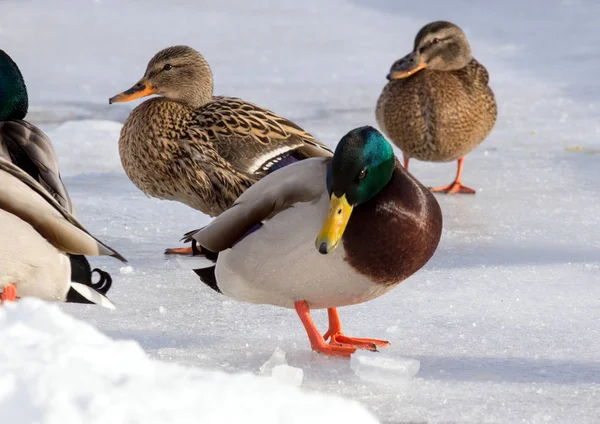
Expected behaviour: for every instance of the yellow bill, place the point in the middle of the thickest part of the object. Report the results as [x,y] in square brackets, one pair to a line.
[335,224]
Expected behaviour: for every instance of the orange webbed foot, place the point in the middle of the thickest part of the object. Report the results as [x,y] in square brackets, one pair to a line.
[456,186]
[317,342]
[183,251]
[9,294]
[361,343]
[453,188]
[339,345]
[344,350]
[334,333]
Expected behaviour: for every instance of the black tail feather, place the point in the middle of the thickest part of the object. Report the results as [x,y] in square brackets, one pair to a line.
[81,272]
[207,275]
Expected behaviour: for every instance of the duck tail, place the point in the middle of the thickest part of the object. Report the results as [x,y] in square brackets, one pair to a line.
[203,262]
[83,289]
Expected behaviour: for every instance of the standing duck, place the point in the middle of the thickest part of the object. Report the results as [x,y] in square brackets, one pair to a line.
[438,106]
[201,150]
[41,243]
[374,224]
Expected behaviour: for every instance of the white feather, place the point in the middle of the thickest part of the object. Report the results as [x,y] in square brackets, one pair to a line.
[92,295]
[260,161]
[194,262]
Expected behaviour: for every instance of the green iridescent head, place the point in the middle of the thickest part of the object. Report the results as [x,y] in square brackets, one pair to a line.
[13,92]
[362,165]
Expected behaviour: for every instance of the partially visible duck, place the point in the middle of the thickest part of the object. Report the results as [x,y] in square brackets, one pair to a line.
[189,146]
[41,243]
[438,106]
[375,225]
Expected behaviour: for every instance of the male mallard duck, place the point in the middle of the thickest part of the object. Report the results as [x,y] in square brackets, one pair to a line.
[438,106]
[263,250]
[41,243]
[197,149]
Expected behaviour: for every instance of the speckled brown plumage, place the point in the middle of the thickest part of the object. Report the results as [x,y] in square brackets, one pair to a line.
[201,150]
[442,112]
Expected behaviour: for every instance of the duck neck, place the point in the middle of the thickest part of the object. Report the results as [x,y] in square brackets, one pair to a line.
[199,94]
[13,92]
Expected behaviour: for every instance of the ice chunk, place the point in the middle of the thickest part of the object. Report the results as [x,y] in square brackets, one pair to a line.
[277,368]
[380,368]
[288,375]
[277,358]
[126,270]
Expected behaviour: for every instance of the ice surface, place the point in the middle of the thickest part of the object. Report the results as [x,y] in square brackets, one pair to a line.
[278,368]
[55,369]
[504,320]
[87,146]
[383,369]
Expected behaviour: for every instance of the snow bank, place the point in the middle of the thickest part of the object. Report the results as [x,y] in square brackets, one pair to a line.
[55,369]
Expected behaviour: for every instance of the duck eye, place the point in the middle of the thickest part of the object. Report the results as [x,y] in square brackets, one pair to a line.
[363,174]
[167,67]
[435,41]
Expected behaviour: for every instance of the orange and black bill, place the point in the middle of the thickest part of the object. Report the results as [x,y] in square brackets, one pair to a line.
[141,89]
[407,66]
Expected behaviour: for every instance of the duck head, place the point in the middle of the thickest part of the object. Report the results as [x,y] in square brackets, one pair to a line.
[178,73]
[440,46]
[13,92]
[361,167]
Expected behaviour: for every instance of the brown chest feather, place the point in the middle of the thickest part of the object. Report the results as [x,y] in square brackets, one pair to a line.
[392,236]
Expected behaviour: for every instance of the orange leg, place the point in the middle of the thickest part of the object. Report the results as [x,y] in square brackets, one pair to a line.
[335,333]
[406,159]
[456,186]
[179,251]
[316,340]
[9,294]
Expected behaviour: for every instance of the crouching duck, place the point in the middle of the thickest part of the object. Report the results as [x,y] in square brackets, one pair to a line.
[41,243]
[323,233]
[438,106]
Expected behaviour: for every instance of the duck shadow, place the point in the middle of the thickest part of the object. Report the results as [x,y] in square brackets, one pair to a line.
[508,370]
[479,255]
[462,369]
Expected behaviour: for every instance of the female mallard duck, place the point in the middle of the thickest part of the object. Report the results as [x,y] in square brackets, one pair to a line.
[438,106]
[263,250]
[197,149]
[41,243]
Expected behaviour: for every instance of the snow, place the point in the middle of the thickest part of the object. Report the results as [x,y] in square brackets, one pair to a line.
[383,369]
[504,320]
[46,356]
